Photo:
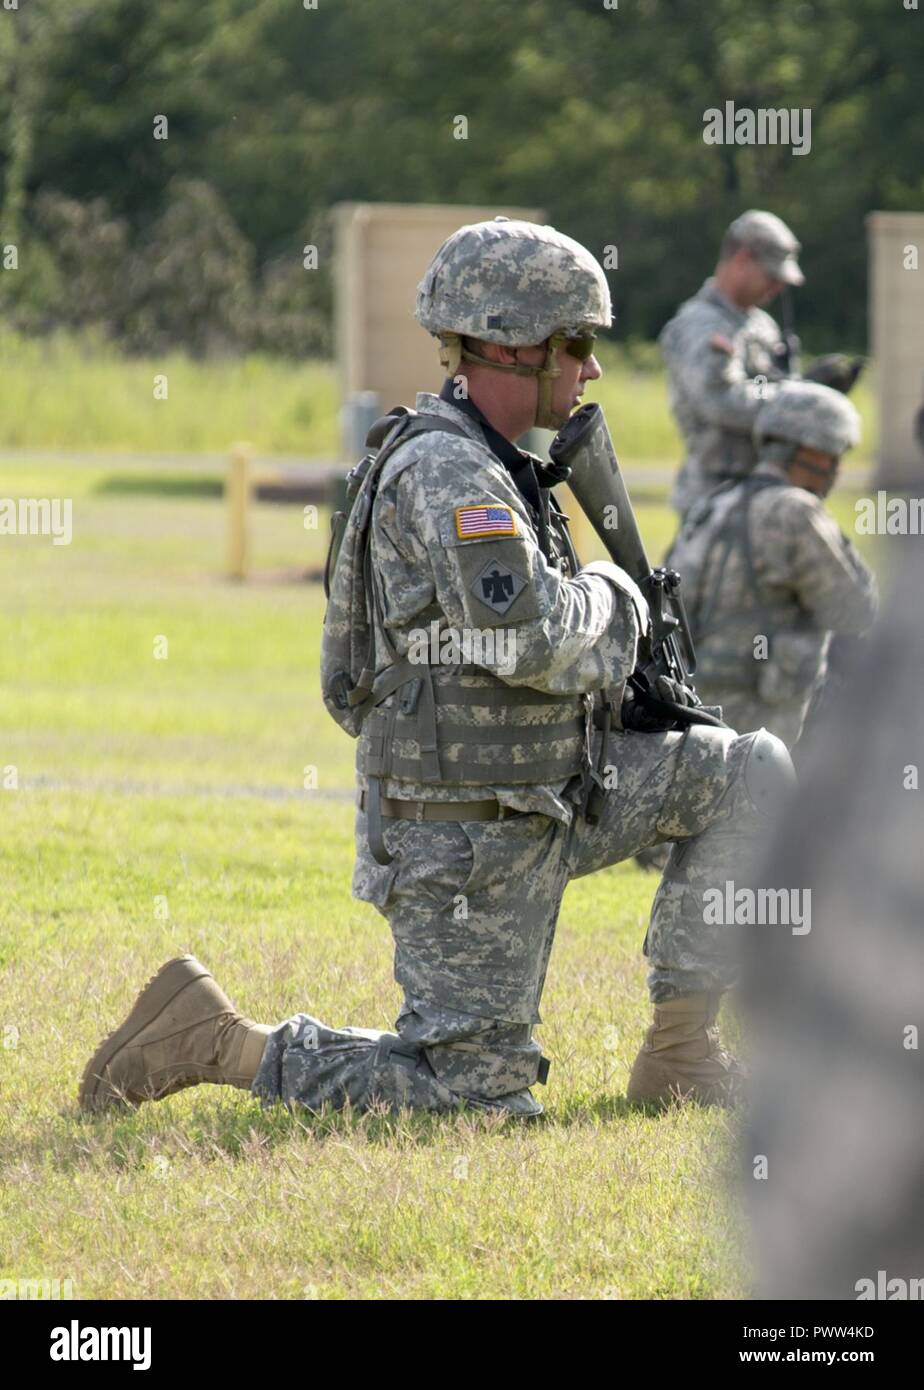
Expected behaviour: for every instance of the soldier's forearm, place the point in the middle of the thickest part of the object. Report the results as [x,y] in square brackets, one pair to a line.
[587,641]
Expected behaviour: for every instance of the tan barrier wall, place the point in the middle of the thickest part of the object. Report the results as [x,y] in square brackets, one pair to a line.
[896,308]
[382,251]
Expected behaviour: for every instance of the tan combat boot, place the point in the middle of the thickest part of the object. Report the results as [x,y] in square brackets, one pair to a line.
[182,1030]
[682,1058]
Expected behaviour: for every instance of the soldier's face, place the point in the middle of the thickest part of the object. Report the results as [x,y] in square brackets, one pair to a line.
[814,470]
[766,286]
[756,285]
[574,377]
[568,386]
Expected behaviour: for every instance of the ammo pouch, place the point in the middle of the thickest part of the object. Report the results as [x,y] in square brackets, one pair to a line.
[421,727]
[462,726]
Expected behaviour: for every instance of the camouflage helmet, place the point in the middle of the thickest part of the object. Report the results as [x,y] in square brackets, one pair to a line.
[515,283]
[815,417]
[512,282]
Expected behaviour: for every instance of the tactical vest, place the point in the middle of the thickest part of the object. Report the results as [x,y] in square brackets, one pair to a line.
[449,725]
[732,531]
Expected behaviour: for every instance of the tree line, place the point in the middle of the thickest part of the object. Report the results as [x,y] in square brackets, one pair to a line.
[193,233]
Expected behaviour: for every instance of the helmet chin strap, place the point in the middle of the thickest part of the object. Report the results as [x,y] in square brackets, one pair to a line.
[452,354]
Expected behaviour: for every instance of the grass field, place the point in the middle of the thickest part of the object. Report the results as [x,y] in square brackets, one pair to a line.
[149,787]
[62,394]
[157,723]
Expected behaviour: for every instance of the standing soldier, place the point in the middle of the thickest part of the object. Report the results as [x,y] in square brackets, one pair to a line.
[474,774]
[768,575]
[725,356]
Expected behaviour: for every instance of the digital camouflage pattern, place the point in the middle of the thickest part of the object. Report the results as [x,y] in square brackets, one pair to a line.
[513,282]
[721,367]
[805,582]
[710,792]
[307,1063]
[473,905]
[570,635]
[807,413]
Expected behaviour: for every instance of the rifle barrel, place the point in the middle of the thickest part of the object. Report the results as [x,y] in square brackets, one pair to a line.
[584,444]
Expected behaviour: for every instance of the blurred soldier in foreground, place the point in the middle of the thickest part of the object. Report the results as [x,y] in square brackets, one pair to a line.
[475,769]
[767,574]
[724,355]
[835,1016]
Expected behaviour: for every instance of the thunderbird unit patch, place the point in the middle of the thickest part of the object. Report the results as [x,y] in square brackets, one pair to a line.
[488,520]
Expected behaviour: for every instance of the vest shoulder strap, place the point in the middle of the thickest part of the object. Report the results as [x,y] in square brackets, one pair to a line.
[735,526]
[409,425]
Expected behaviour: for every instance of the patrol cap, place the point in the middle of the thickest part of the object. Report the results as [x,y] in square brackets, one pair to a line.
[813,416]
[771,242]
[513,282]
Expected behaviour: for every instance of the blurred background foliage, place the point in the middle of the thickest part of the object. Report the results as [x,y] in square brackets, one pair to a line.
[276,112]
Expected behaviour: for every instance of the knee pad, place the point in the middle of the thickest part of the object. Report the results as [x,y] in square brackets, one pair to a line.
[769,776]
[707,768]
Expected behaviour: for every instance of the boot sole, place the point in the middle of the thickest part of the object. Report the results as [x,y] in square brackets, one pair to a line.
[96,1093]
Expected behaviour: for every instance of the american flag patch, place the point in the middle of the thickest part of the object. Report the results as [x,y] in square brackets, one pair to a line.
[488,520]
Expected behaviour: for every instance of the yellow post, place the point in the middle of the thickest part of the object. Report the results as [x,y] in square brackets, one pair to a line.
[237,491]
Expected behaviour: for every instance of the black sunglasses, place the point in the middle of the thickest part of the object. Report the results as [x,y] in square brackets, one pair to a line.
[581,347]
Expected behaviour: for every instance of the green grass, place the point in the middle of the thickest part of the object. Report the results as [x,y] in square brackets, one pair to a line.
[118,818]
[60,394]
[206,1195]
[63,394]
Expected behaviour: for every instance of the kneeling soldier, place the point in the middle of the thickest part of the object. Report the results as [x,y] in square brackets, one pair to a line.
[768,575]
[473,773]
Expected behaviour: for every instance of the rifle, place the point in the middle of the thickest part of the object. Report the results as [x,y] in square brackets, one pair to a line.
[788,359]
[584,447]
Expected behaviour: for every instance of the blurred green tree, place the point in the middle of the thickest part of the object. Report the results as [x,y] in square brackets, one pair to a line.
[595,114]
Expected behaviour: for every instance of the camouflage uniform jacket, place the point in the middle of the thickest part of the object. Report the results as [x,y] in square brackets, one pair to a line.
[762,557]
[721,367]
[572,634]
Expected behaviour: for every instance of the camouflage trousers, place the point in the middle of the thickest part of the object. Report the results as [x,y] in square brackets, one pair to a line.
[473,908]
